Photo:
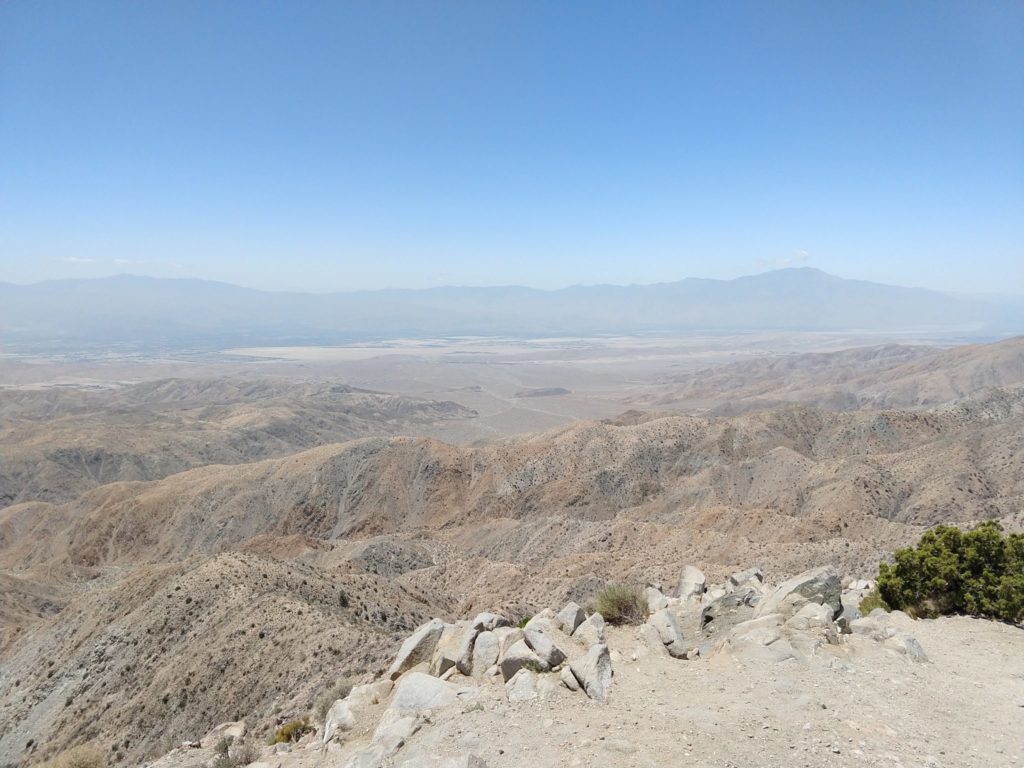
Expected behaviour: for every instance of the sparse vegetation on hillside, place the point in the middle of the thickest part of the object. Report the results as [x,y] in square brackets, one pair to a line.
[978,572]
[292,731]
[82,756]
[327,697]
[620,604]
[230,755]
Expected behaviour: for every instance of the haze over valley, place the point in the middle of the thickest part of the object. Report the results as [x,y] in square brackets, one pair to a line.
[442,476]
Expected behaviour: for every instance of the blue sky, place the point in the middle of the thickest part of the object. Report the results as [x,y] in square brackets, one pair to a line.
[332,145]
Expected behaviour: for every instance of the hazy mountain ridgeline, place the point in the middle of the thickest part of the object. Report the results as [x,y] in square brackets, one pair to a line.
[174,312]
[58,442]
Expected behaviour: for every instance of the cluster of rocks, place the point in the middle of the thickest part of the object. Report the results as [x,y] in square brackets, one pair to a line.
[568,644]
[442,665]
[743,616]
[452,666]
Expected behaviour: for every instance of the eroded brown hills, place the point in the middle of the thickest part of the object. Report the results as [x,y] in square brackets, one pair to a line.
[887,376]
[58,442]
[142,611]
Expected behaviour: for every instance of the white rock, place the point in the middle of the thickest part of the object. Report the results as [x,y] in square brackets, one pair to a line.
[418,691]
[339,719]
[464,650]
[569,679]
[907,645]
[647,634]
[485,622]
[485,652]
[522,686]
[761,631]
[811,616]
[543,644]
[819,585]
[570,617]
[655,599]
[692,583]
[450,647]
[507,637]
[594,672]
[714,593]
[362,696]
[417,648]
[520,656]
[671,636]
[591,631]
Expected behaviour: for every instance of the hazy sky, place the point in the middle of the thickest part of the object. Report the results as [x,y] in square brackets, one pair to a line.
[334,145]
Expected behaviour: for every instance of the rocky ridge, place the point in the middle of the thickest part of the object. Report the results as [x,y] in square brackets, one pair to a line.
[445,673]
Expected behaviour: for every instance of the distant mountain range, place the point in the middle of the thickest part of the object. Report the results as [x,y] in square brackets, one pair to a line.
[144,310]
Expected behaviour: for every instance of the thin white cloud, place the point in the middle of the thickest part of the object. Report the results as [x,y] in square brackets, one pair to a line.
[133,262]
[78,260]
[798,257]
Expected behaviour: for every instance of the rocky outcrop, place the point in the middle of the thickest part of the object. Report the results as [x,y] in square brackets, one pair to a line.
[819,585]
[521,656]
[667,631]
[540,635]
[418,648]
[449,673]
[591,631]
[570,617]
[593,670]
[417,691]
[692,583]
[339,718]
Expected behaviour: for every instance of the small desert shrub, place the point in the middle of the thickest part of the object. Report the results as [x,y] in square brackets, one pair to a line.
[521,624]
[978,572]
[326,698]
[231,756]
[292,731]
[247,753]
[83,756]
[620,604]
[871,601]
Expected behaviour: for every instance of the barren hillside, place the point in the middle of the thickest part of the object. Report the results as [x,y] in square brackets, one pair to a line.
[154,599]
[57,443]
[889,376]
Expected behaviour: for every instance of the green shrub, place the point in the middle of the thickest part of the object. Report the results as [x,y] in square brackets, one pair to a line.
[871,601]
[292,731]
[978,572]
[620,604]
